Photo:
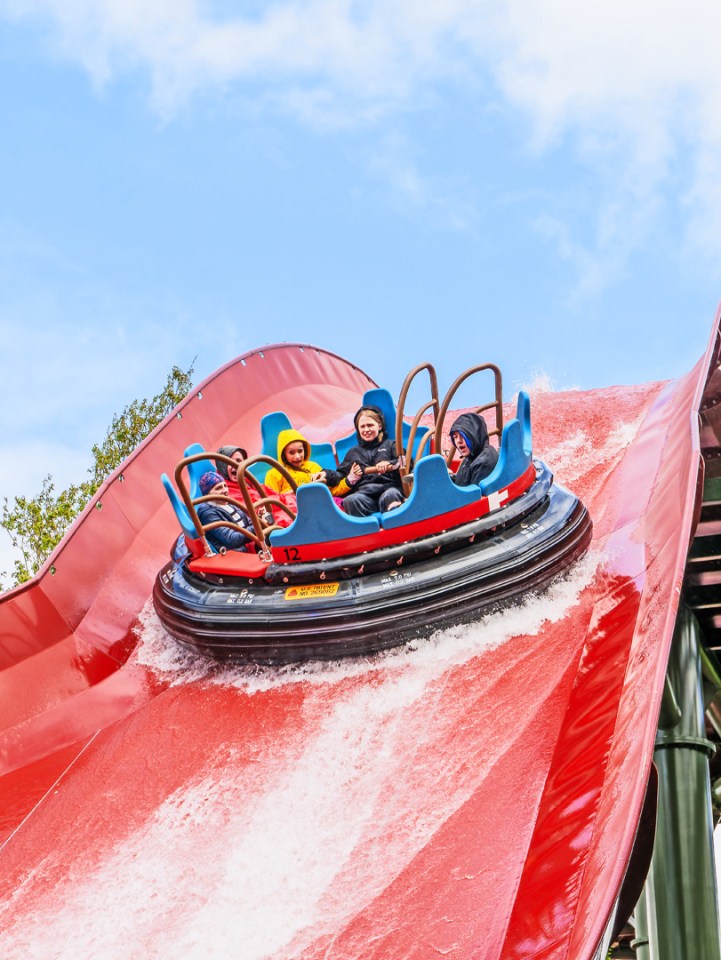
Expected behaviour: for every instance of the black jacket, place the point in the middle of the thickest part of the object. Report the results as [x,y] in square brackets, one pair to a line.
[368,454]
[482,458]
[221,466]
[211,510]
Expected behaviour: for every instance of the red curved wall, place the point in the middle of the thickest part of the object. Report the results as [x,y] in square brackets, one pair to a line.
[433,803]
[71,626]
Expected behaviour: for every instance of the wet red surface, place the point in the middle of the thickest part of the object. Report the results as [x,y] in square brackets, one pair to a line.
[471,798]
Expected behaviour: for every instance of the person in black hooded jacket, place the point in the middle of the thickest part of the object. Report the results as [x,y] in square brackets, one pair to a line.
[230,473]
[469,435]
[371,467]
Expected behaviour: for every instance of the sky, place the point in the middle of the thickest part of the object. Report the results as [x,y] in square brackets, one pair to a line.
[534,183]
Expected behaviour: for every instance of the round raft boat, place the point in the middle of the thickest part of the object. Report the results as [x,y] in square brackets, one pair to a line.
[328,584]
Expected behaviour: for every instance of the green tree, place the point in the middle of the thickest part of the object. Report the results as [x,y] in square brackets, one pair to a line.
[134,424]
[37,524]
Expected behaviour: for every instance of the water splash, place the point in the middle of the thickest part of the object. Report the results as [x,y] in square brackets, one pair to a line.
[446,647]
[259,860]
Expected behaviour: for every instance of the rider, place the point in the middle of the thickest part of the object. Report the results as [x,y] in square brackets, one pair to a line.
[469,435]
[230,472]
[371,467]
[294,454]
[209,511]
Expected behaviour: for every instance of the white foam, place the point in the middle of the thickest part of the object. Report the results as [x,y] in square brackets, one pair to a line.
[577,455]
[256,860]
[542,382]
[446,647]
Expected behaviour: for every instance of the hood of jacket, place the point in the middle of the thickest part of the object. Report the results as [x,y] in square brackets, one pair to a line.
[382,434]
[227,451]
[291,436]
[474,427]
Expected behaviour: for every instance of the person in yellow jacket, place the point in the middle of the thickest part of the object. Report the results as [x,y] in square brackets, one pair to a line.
[294,454]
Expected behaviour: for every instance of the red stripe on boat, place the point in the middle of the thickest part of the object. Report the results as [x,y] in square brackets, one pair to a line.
[306,553]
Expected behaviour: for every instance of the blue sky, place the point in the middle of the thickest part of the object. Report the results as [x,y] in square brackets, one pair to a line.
[529,182]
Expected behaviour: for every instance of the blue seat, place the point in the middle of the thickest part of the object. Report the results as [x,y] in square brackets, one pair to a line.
[181,511]
[513,459]
[432,487]
[381,398]
[343,445]
[523,414]
[271,425]
[324,455]
[198,468]
[319,520]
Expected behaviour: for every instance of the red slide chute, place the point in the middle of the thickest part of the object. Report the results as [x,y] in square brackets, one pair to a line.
[473,795]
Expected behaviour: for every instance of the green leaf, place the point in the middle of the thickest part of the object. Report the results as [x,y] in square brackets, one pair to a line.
[37,524]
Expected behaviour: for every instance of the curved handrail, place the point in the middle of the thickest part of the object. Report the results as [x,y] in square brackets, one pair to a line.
[414,429]
[251,508]
[405,462]
[496,404]
[259,533]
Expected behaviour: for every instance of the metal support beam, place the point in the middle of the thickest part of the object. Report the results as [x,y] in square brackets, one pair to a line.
[679,909]
[644,922]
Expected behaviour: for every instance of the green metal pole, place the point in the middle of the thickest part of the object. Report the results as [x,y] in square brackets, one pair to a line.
[644,922]
[683,879]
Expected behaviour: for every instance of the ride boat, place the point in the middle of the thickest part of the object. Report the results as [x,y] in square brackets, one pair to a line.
[324,584]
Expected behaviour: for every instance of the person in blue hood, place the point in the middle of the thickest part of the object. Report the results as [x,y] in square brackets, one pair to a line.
[469,435]
[370,468]
[223,538]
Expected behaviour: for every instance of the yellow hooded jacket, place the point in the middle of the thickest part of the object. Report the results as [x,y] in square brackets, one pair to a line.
[275,479]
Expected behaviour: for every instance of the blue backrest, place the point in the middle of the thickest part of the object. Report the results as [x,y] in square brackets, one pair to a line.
[381,398]
[513,460]
[271,425]
[198,468]
[319,520]
[324,455]
[343,445]
[523,414]
[432,486]
[181,511]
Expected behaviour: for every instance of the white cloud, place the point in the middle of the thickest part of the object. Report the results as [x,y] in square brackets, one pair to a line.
[637,89]
[573,65]
[376,53]
[568,65]
[630,86]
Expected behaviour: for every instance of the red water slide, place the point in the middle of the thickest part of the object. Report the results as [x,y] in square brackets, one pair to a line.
[473,795]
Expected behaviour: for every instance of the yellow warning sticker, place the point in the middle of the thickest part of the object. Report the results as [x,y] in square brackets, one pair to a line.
[305,591]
